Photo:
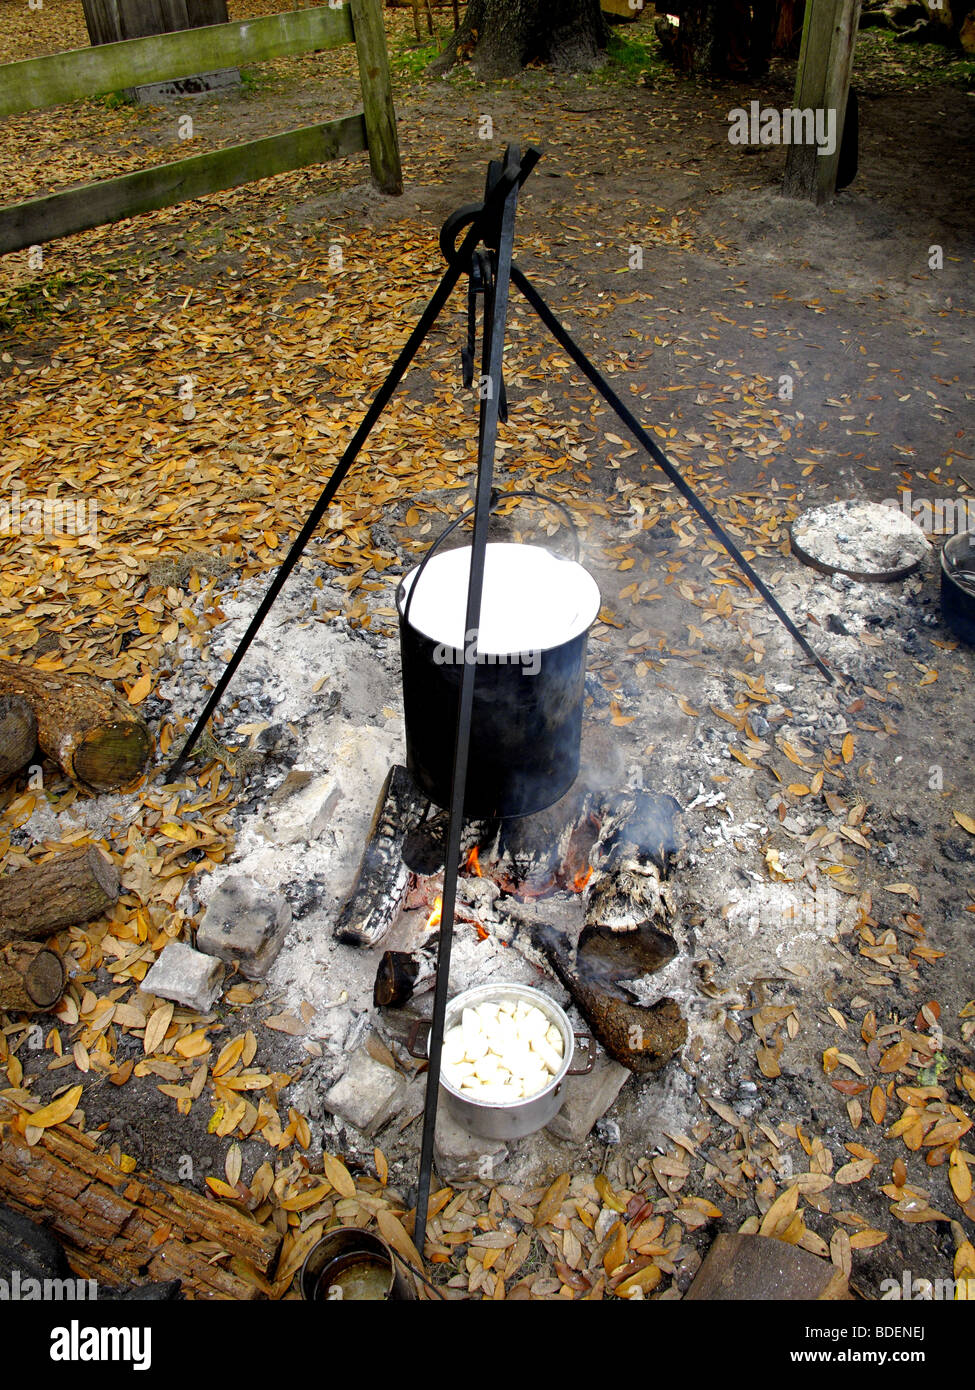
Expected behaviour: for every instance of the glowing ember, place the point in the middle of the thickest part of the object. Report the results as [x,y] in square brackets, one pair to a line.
[434,919]
[581,879]
[473,865]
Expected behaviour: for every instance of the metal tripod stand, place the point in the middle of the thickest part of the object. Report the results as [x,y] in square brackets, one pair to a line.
[484,254]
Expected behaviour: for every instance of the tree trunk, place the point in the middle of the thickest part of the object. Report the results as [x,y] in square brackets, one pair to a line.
[32,977]
[40,900]
[18,734]
[93,734]
[502,36]
[725,37]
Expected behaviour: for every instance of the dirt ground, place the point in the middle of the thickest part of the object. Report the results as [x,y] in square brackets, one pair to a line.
[705,295]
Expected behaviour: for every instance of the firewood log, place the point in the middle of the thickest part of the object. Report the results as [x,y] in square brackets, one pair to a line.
[401,975]
[41,899]
[92,733]
[18,734]
[368,912]
[32,977]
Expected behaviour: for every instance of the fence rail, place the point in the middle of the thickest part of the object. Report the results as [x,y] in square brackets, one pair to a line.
[63,77]
[165,185]
[91,72]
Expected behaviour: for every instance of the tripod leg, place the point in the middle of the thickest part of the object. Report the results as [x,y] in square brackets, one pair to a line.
[492,362]
[662,461]
[438,299]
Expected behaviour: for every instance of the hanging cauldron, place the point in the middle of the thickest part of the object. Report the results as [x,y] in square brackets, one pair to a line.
[526,725]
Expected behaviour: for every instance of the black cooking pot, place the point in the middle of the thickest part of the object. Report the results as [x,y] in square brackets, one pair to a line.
[958,585]
[526,724]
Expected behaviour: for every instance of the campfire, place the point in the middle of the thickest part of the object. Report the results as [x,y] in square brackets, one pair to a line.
[582,891]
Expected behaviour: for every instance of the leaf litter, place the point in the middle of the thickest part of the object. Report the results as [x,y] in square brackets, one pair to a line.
[117,604]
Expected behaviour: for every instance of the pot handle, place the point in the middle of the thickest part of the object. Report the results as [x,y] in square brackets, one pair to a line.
[496,499]
[587,1041]
[421,1051]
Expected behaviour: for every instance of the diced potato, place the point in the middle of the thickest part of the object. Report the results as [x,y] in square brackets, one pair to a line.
[534,1082]
[546,1054]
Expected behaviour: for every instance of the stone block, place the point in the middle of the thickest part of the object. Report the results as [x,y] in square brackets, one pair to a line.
[186,976]
[367,1095]
[302,813]
[459,1155]
[244,925]
[587,1099]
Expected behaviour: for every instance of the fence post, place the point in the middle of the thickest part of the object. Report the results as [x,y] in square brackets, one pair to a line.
[377,95]
[822,82]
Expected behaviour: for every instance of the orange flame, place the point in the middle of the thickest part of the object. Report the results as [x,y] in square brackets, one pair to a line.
[434,919]
[581,879]
[472,864]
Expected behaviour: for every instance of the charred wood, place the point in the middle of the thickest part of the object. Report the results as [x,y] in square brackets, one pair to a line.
[633,854]
[640,1037]
[368,912]
[403,974]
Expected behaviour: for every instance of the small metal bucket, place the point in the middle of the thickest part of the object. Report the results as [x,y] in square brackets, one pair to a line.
[958,585]
[349,1264]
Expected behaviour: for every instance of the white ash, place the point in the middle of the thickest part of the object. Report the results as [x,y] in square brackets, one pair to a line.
[860,537]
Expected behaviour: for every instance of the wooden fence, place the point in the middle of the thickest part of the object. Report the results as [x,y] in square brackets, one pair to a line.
[42,82]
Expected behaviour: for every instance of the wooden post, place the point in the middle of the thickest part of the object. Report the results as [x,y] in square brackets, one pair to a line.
[377,95]
[110,21]
[822,83]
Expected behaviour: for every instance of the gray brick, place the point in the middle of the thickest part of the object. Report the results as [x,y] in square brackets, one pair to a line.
[458,1154]
[245,925]
[186,976]
[368,1095]
[587,1099]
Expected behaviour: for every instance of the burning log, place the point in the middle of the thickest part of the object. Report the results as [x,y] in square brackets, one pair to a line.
[41,899]
[640,1037]
[368,912]
[18,734]
[633,852]
[92,733]
[545,851]
[425,846]
[32,977]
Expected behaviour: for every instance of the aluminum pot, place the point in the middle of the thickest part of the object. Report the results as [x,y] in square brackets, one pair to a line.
[526,723]
[498,1119]
[958,585]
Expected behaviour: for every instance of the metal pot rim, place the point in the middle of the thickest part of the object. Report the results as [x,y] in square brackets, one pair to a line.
[953,544]
[579,628]
[548,1005]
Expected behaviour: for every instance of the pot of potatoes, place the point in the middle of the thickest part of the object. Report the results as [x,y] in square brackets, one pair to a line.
[507,1050]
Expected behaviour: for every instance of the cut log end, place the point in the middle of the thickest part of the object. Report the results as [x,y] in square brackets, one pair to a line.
[91,731]
[112,755]
[32,978]
[18,734]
